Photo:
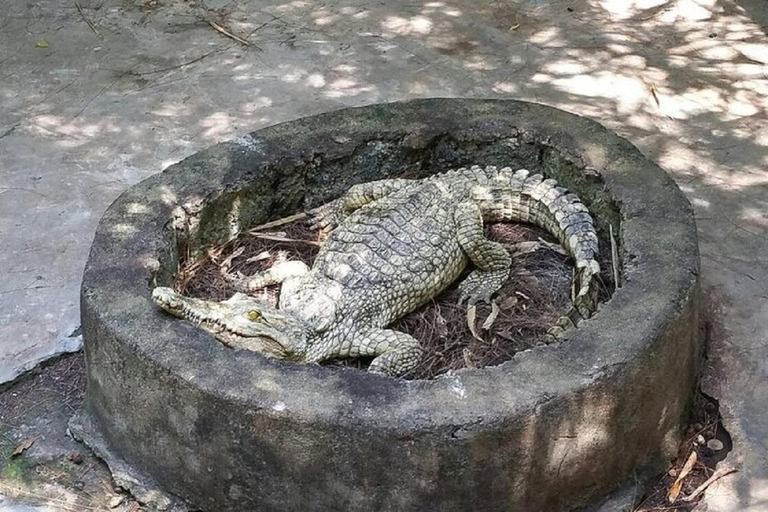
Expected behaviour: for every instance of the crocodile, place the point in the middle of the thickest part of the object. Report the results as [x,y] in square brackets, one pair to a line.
[397,243]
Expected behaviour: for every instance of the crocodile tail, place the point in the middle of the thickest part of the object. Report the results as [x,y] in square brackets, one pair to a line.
[520,196]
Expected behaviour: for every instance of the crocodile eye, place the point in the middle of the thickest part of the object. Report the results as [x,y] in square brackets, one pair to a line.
[253,315]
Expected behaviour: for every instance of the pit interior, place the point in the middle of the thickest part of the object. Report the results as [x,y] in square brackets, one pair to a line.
[220,237]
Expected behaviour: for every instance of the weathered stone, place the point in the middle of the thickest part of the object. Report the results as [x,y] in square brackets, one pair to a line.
[553,429]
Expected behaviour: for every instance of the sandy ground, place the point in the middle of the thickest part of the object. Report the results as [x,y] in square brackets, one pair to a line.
[86,112]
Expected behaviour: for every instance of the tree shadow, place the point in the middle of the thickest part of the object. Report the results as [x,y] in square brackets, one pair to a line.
[85,117]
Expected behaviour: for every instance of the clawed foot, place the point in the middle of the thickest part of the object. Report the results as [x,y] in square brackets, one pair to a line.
[327,216]
[276,274]
[480,286]
[237,280]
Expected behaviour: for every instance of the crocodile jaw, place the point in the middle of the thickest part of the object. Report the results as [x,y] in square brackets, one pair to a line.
[240,322]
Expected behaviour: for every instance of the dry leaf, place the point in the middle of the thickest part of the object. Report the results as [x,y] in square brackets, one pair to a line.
[472,322]
[41,43]
[441,325]
[467,354]
[259,257]
[492,317]
[509,303]
[674,491]
[654,92]
[116,501]
[23,446]
[227,263]
[520,248]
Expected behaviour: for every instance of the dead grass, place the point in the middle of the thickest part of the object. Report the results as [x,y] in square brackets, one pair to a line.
[536,294]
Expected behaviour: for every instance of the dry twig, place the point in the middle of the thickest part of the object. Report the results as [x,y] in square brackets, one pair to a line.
[227,33]
[279,222]
[674,491]
[87,21]
[655,95]
[614,259]
[717,475]
[278,238]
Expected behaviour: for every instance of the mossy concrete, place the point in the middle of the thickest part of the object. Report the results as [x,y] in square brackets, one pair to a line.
[553,429]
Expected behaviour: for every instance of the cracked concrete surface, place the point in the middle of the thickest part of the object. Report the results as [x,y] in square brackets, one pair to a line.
[85,115]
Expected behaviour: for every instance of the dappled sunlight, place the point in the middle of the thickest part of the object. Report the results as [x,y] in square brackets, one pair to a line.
[173,109]
[123,231]
[72,133]
[167,196]
[315,80]
[752,51]
[642,65]
[581,438]
[216,124]
[136,209]
[506,88]
[629,8]
[323,17]
[416,25]
[691,10]
[85,117]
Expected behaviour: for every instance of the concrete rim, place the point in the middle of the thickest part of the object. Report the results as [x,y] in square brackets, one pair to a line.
[660,277]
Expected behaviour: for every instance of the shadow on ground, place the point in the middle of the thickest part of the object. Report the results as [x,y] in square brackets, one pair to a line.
[84,115]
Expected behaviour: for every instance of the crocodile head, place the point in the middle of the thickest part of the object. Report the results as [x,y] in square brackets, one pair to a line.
[241,322]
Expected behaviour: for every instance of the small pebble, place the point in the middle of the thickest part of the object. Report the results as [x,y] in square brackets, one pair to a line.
[715,445]
[75,457]
[700,439]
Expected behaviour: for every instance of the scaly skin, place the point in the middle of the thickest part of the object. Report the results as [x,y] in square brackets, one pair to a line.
[398,244]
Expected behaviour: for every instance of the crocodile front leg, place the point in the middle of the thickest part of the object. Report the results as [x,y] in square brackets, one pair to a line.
[490,258]
[396,352]
[332,214]
[276,274]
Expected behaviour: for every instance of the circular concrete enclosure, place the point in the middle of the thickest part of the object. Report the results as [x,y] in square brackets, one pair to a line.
[552,429]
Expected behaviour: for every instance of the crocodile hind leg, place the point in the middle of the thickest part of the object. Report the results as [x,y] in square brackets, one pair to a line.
[276,274]
[490,258]
[396,352]
[332,214]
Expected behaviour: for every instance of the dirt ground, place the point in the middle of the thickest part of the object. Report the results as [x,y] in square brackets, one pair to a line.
[39,463]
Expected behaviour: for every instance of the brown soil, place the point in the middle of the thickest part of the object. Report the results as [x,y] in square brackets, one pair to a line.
[39,463]
[534,297]
[705,426]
